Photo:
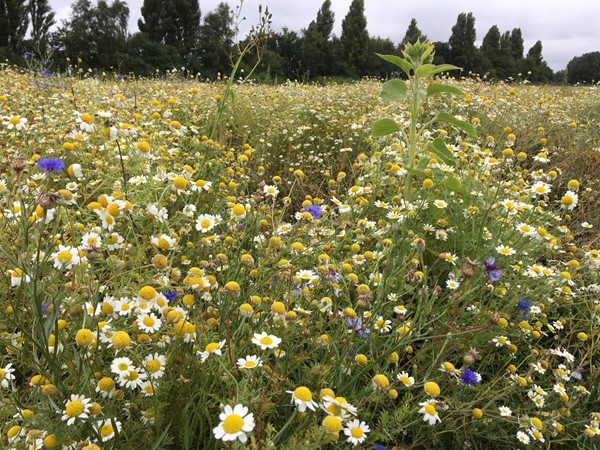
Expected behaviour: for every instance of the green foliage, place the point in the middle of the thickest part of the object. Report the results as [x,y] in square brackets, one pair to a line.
[413,34]
[584,68]
[355,38]
[317,48]
[42,19]
[216,41]
[14,20]
[416,64]
[175,24]
[462,42]
[534,66]
[95,35]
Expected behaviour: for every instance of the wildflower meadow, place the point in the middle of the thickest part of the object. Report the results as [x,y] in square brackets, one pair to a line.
[403,264]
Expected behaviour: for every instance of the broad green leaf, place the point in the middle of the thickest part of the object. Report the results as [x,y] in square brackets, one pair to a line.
[437,89]
[425,70]
[423,163]
[384,127]
[465,126]
[443,68]
[438,146]
[393,90]
[454,184]
[397,61]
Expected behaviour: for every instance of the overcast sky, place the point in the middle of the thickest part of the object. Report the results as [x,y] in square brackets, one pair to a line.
[566,28]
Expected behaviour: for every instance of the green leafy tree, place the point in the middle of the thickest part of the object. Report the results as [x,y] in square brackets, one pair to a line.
[375,65]
[316,46]
[534,65]
[505,65]
[442,53]
[517,44]
[462,42]
[97,35]
[412,34]
[355,38]
[490,49]
[216,40]
[42,19]
[174,23]
[14,20]
[584,68]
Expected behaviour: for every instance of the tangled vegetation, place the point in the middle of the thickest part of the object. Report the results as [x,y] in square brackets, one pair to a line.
[182,273]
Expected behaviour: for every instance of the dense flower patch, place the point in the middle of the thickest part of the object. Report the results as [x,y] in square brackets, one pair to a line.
[164,288]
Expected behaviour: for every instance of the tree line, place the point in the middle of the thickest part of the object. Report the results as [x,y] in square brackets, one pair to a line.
[173,33]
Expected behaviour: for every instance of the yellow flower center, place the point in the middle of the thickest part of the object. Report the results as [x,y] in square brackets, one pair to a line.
[212,347]
[233,423]
[74,408]
[123,366]
[153,365]
[205,223]
[302,393]
[107,430]
[356,432]
[148,321]
[249,364]
[266,340]
[430,409]
[64,256]
[14,120]
[332,424]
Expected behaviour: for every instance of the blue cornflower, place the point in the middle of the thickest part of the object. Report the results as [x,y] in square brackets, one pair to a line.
[357,325]
[314,210]
[50,164]
[470,377]
[491,270]
[45,309]
[378,446]
[170,295]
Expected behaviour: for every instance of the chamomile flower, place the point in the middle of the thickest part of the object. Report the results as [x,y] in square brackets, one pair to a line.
[77,407]
[249,362]
[148,322]
[206,222]
[155,365]
[505,250]
[212,348]
[406,379]
[356,431]
[303,398]
[6,375]
[235,423]
[107,429]
[66,257]
[430,414]
[505,411]
[121,366]
[265,341]
[523,438]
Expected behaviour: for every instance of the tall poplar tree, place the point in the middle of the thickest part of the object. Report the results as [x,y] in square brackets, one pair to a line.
[412,34]
[14,20]
[175,23]
[355,38]
[42,18]
[462,42]
[316,45]
[216,40]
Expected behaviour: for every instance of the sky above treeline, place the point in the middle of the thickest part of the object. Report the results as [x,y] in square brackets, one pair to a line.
[566,28]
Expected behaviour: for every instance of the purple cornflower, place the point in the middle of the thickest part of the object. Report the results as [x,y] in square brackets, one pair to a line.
[314,210]
[357,325]
[491,270]
[170,295]
[50,164]
[45,309]
[378,446]
[470,377]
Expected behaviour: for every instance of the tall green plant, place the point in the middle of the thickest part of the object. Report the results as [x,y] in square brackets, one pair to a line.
[416,63]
